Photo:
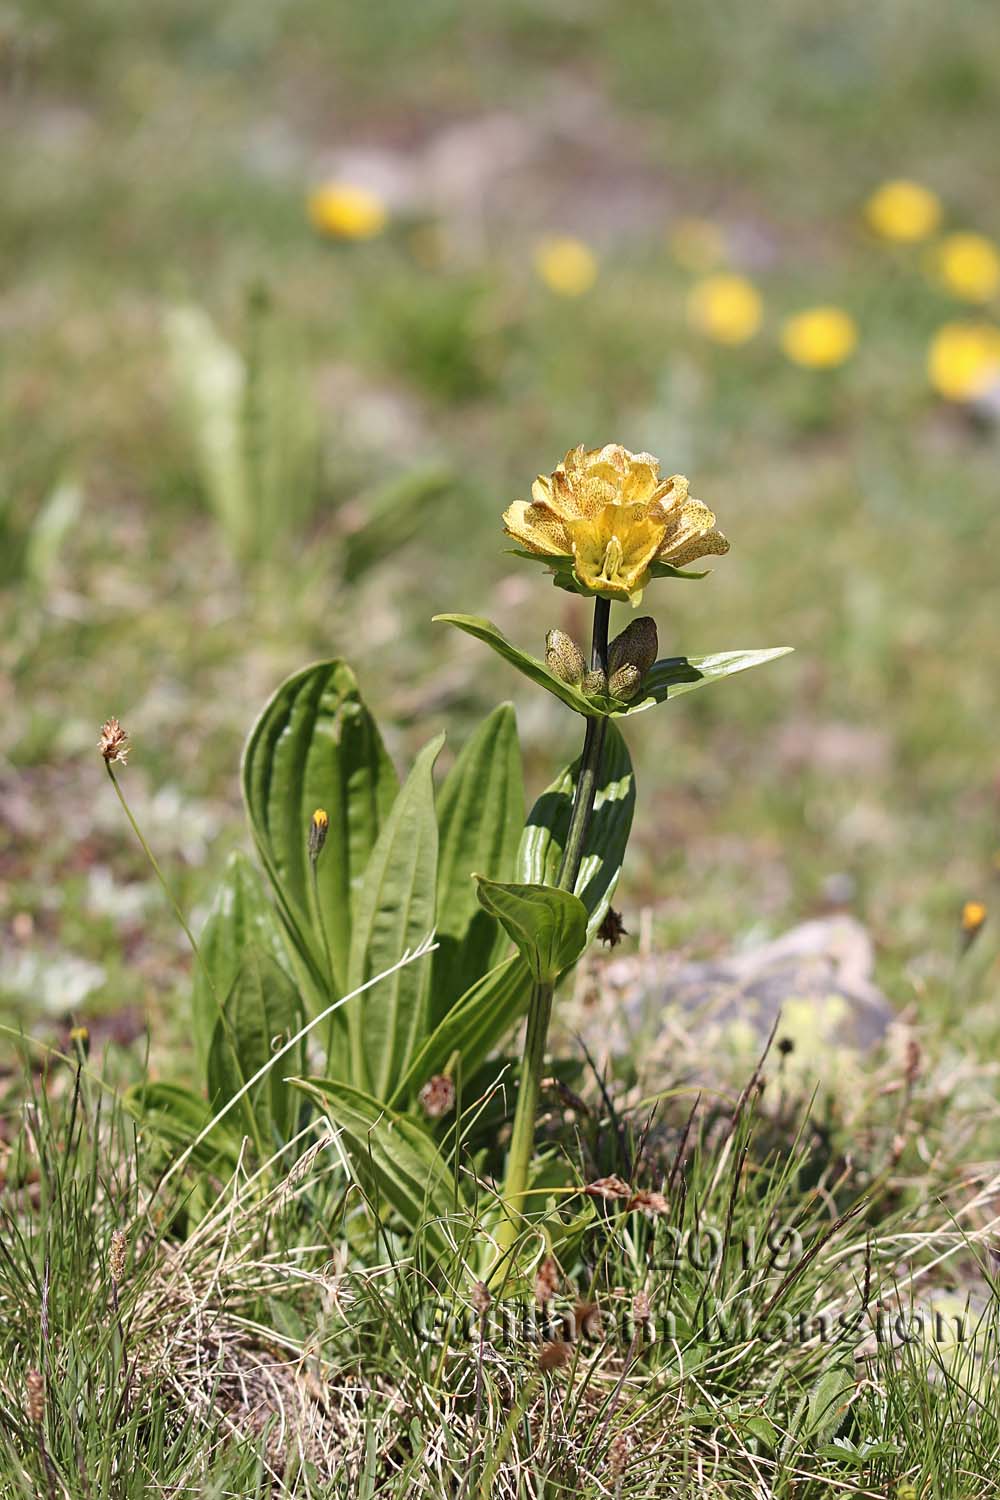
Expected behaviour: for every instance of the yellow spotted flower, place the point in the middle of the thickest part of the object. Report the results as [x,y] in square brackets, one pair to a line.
[607,522]
[964,360]
[969,266]
[566,265]
[903,211]
[726,308]
[697,244]
[820,338]
[347,211]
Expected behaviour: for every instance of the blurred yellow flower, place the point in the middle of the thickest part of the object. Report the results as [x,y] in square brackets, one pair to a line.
[819,338]
[566,265]
[973,916]
[969,266]
[964,360]
[609,518]
[347,211]
[725,308]
[697,244]
[903,210]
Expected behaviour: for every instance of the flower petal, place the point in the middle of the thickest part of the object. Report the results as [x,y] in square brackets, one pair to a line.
[537,528]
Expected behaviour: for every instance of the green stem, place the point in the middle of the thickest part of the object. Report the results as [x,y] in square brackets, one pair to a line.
[522,1141]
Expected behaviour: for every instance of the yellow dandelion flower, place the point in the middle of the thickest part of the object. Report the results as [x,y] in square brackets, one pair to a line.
[904,211]
[969,266]
[964,360]
[697,244]
[820,338]
[605,516]
[347,211]
[566,265]
[725,308]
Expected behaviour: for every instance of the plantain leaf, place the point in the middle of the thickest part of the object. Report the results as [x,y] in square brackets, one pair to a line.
[480,817]
[395,912]
[316,745]
[473,1028]
[261,1012]
[391,1157]
[177,1117]
[241,914]
[545,832]
[675,675]
[549,926]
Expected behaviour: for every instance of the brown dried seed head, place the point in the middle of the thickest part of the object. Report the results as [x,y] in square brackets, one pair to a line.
[608,1188]
[480,1298]
[618,1454]
[546,1281]
[653,1205]
[636,646]
[113,743]
[612,929]
[34,1389]
[437,1097]
[116,1258]
[564,658]
[587,1319]
[641,1310]
[554,1356]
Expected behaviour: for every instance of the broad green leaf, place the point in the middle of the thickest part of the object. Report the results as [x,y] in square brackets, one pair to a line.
[241,914]
[316,745]
[480,817]
[545,832]
[473,1028]
[682,674]
[536,670]
[549,926]
[392,1157]
[261,1012]
[395,912]
[177,1117]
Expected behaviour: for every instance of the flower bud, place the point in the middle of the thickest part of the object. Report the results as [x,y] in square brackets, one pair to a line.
[595,683]
[564,658]
[319,823]
[625,683]
[636,646]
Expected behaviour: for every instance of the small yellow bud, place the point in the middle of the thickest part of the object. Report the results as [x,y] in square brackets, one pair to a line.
[564,658]
[594,683]
[636,646]
[80,1037]
[625,683]
[318,826]
[973,917]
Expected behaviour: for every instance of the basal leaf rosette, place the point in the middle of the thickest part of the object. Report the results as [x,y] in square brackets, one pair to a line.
[606,523]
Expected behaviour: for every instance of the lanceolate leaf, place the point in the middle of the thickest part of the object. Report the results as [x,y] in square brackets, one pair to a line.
[682,674]
[667,678]
[549,926]
[395,912]
[177,1117]
[480,817]
[473,1028]
[545,832]
[536,670]
[316,745]
[261,1012]
[392,1158]
[242,914]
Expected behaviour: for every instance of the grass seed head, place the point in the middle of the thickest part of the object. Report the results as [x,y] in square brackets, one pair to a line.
[116,1259]
[546,1281]
[34,1389]
[113,744]
[437,1097]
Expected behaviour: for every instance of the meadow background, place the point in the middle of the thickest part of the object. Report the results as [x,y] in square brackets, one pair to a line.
[529,198]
